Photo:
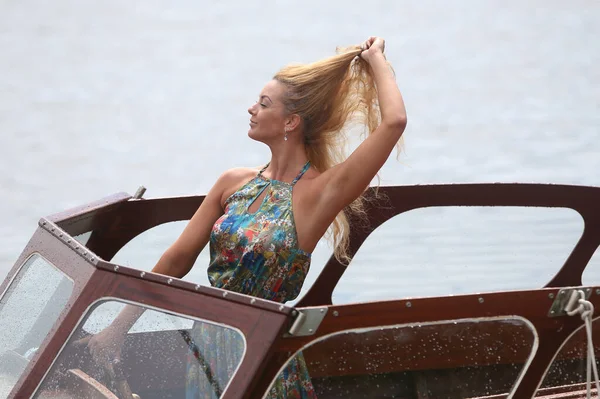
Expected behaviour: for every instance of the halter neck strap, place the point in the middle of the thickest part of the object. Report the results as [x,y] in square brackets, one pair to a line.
[302,172]
[263,169]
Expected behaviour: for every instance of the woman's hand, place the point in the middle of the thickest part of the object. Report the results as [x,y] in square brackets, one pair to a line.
[106,346]
[371,46]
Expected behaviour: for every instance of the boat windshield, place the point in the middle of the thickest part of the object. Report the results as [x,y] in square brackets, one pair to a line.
[28,310]
[163,356]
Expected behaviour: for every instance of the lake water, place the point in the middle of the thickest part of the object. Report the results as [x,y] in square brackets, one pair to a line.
[97,98]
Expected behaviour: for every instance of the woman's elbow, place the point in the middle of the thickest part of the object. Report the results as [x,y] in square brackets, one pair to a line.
[400,120]
[175,263]
[396,123]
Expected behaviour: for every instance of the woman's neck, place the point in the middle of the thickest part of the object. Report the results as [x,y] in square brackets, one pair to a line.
[286,162]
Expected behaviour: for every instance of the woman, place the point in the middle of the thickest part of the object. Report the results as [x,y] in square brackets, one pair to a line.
[258,246]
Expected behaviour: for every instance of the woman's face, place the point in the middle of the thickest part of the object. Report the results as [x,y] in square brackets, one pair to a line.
[268,114]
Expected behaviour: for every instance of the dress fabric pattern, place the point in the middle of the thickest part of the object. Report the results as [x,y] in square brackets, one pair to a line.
[253,253]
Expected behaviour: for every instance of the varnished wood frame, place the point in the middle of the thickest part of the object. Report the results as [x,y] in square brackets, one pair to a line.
[260,321]
[116,220]
[532,305]
[584,200]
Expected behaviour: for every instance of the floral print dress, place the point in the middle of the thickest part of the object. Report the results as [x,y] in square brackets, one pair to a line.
[253,253]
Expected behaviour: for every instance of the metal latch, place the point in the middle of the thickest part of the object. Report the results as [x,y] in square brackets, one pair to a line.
[307,321]
[139,193]
[563,297]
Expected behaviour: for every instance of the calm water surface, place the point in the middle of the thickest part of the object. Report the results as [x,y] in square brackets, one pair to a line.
[104,97]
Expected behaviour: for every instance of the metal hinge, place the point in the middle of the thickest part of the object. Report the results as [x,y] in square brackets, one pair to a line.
[559,305]
[307,321]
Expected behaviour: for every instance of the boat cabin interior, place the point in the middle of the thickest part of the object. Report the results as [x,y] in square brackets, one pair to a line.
[518,343]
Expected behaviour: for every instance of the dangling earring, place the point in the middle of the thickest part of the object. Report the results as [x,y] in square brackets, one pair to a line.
[285,137]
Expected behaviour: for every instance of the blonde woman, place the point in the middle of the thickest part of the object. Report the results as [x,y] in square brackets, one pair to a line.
[263,224]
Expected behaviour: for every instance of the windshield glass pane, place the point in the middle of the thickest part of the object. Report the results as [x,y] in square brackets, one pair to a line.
[567,373]
[162,356]
[28,310]
[451,359]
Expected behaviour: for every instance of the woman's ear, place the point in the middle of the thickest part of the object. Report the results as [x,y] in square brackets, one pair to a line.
[293,122]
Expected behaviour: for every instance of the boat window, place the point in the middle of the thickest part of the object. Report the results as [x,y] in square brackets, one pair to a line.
[195,357]
[28,310]
[591,274]
[458,250]
[148,321]
[83,237]
[450,359]
[144,251]
[567,373]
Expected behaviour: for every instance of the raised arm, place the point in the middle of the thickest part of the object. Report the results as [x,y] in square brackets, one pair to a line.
[345,182]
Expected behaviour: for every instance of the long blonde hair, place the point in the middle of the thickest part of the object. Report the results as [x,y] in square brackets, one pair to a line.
[328,94]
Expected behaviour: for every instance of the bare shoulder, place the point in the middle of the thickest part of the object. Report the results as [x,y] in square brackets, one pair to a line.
[234,174]
[232,179]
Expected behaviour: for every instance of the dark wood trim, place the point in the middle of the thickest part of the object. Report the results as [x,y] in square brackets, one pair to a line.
[123,220]
[189,286]
[531,305]
[116,220]
[78,270]
[82,219]
[135,217]
[259,326]
[396,200]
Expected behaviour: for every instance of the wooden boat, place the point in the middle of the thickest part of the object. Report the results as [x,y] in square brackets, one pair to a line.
[63,288]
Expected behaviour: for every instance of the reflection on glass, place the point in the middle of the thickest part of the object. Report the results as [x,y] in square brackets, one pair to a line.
[455,359]
[567,373]
[105,313]
[28,310]
[163,356]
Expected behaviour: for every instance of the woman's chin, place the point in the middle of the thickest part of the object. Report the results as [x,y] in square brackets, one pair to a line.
[257,136]
[253,134]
